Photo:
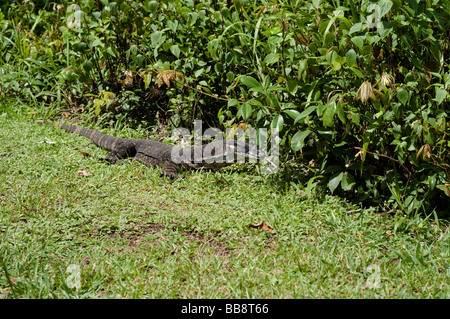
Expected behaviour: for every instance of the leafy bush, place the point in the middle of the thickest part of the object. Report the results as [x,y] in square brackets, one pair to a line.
[358,89]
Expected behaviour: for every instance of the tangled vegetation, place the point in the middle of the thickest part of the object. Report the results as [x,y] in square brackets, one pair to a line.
[359,90]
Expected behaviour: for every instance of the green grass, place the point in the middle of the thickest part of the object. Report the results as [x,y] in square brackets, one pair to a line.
[132,234]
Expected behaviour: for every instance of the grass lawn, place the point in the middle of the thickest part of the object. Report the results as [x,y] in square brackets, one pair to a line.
[125,232]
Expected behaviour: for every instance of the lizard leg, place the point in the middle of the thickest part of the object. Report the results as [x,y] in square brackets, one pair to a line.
[120,152]
[170,169]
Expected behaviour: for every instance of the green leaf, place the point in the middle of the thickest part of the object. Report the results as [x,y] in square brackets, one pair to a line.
[292,113]
[257,103]
[98,104]
[96,43]
[246,111]
[275,102]
[212,47]
[355,28]
[350,57]
[198,72]
[305,113]
[413,4]
[303,65]
[139,59]
[402,96]
[334,181]
[348,181]
[316,3]
[298,140]
[385,6]
[330,23]
[175,49]
[111,52]
[384,28]
[87,65]
[230,76]
[233,102]
[346,24]
[358,41]
[288,106]
[357,72]
[250,82]
[271,58]
[329,114]
[440,95]
[340,112]
[337,65]
[276,88]
[277,123]
[157,38]
[355,118]
[151,6]
[292,86]
[432,122]
[147,79]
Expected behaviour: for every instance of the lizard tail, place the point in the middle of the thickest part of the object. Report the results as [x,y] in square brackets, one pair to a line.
[105,141]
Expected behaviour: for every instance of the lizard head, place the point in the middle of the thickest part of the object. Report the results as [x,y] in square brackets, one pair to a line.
[226,152]
[243,149]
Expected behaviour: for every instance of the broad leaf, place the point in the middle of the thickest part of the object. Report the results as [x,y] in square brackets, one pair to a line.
[151,6]
[350,57]
[175,49]
[246,111]
[250,82]
[298,140]
[233,102]
[357,72]
[334,181]
[292,86]
[384,6]
[348,181]
[274,100]
[292,113]
[340,112]
[329,114]
[402,96]
[355,28]
[271,58]
[305,113]
[440,95]
[277,123]
[358,41]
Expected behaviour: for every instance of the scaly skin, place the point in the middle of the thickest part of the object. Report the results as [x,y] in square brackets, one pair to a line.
[172,158]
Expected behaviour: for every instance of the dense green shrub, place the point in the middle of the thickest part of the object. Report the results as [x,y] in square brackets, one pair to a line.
[358,89]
